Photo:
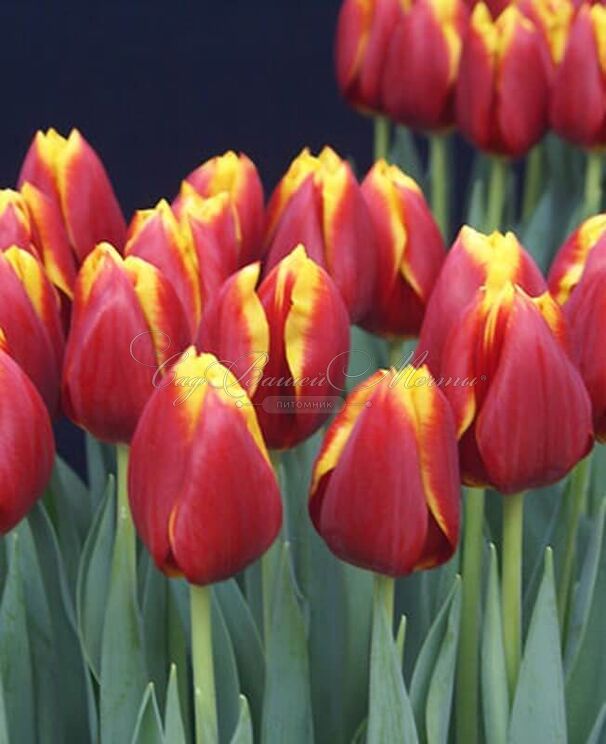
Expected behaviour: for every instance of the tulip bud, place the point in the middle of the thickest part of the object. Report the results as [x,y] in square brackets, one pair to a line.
[586,314]
[473,261]
[202,491]
[578,95]
[364,33]
[159,238]
[127,324]
[70,173]
[235,329]
[237,176]
[30,221]
[308,350]
[28,446]
[410,251]
[522,412]
[569,263]
[502,90]
[423,63]
[319,203]
[31,322]
[552,18]
[385,485]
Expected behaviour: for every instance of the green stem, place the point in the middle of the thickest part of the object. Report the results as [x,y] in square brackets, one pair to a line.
[468,654]
[438,166]
[593,184]
[513,523]
[497,192]
[532,182]
[382,137]
[269,560]
[202,659]
[579,482]
[124,522]
[385,587]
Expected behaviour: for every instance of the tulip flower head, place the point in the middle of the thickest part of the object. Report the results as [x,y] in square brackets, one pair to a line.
[568,265]
[203,494]
[552,18]
[127,325]
[422,64]
[578,96]
[410,251]
[319,203]
[385,485]
[28,447]
[525,420]
[502,89]
[70,173]
[236,176]
[474,261]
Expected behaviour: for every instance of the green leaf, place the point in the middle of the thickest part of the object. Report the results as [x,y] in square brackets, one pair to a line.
[539,712]
[439,696]
[93,580]
[427,660]
[179,637]
[495,694]
[148,726]
[226,675]
[405,155]
[4,736]
[243,733]
[100,463]
[123,671]
[15,654]
[287,703]
[154,611]
[598,732]
[390,715]
[174,731]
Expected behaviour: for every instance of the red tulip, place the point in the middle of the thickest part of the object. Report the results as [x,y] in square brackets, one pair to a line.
[237,176]
[28,447]
[410,251]
[473,261]
[522,412]
[202,491]
[31,322]
[502,89]
[385,486]
[569,263]
[319,203]
[552,18]
[586,313]
[578,96]
[127,324]
[70,173]
[422,64]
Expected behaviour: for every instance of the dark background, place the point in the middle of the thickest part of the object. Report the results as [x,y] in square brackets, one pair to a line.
[159,87]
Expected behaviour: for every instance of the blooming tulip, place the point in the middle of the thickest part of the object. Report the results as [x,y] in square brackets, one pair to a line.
[552,18]
[410,251]
[202,491]
[578,96]
[31,322]
[319,203]
[385,485]
[474,260]
[524,417]
[569,263]
[237,176]
[586,313]
[502,89]
[127,324]
[28,448]
[423,62]
[69,172]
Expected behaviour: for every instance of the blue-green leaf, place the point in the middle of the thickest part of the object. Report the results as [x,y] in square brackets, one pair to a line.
[226,675]
[174,731]
[148,726]
[598,732]
[243,733]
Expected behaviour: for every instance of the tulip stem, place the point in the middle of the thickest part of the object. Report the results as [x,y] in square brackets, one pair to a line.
[438,168]
[385,587]
[468,654]
[593,184]
[497,191]
[382,137]
[124,521]
[532,182]
[202,661]
[513,524]
[577,494]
